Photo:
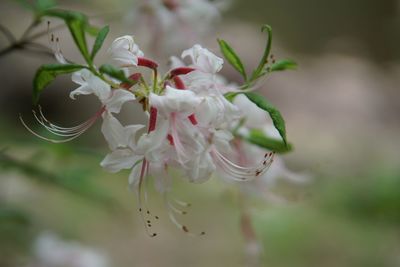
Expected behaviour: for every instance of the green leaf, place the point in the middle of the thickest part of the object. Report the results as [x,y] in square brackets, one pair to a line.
[273,112]
[257,137]
[231,96]
[77,24]
[47,73]
[99,41]
[285,64]
[92,30]
[114,73]
[232,57]
[259,71]
[42,5]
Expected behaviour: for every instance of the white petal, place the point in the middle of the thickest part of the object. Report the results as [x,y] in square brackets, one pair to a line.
[255,117]
[151,145]
[118,160]
[125,51]
[203,59]
[131,132]
[118,98]
[113,132]
[201,168]
[90,84]
[134,176]
[174,100]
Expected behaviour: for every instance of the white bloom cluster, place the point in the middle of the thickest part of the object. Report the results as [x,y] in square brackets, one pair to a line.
[189,127]
[173,23]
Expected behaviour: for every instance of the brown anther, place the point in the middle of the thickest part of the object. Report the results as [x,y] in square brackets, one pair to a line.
[184,212]
[156,217]
[148,212]
[185,229]
[202,233]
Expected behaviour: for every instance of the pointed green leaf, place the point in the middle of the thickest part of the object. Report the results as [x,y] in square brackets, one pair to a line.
[273,112]
[99,41]
[264,60]
[285,64]
[258,137]
[92,30]
[47,73]
[232,57]
[114,73]
[42,5]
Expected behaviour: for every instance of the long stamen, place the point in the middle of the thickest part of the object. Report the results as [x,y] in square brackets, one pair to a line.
[71,133]
[146,222]
[240,173]
[171,210]
[54,43]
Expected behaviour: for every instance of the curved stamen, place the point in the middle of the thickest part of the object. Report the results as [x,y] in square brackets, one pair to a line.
[71,133]
[66,132]
[171,209]
[240,173]
[54,126]
[146,221]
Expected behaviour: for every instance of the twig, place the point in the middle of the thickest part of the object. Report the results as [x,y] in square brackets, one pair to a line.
[7,33]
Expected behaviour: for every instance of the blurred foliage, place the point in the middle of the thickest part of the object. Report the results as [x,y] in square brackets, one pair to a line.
[73,180]
[310,25]
[352,222]
[16,232]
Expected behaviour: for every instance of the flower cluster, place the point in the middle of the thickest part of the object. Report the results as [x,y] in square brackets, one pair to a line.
[194,122]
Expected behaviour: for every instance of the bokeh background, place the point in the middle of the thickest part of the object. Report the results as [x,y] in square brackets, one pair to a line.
[342,112]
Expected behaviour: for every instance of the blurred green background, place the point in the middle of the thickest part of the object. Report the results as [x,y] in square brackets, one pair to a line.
[342,112]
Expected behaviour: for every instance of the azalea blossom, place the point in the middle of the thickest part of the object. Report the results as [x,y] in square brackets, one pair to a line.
[189,124]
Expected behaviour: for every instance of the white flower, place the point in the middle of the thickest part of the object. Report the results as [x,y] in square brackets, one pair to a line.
[125,51]
[125,156]
[175,100]
[203,60]
[112,101]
